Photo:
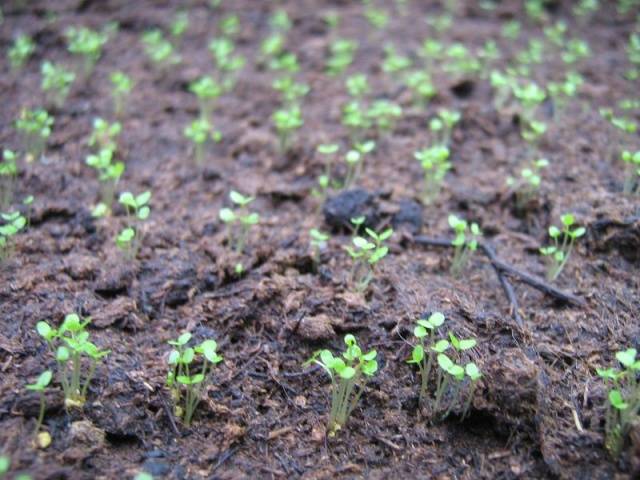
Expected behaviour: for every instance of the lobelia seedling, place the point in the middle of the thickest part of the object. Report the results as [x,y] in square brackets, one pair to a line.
[159,50]
[35,128]
[423,354]
[179,26]
[465,242]
[354,159]
[341,55]
[530,97]
[442,126]
[421,86]
[129,240]
[228,65]
[185,384]
[435,164]
[285,62]
[8,176]
[56,82]
[376,17]
[527,186]
[109,173]
[318,243]
[558,254]
[104,135]
[22,48]
[324,180]
[207,90]
[357,85]
[40,386]
[632,178]
[623,399]
[12,224]
[393,61]
[200,132]
[240,219]
[121,85]
[384,114]
[290,90]
[286,122]
[366,255]
[230,25]
[72,350]
[355,119]
[349,374]
[86,43]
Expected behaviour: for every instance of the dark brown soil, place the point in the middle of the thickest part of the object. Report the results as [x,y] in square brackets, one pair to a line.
[538,411]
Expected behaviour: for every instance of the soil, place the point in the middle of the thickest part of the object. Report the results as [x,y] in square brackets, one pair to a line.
[538,412]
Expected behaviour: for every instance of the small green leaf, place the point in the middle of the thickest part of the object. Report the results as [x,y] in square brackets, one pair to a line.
[615,397]
[419,331]
[347,372]
[627,357]
[417,354]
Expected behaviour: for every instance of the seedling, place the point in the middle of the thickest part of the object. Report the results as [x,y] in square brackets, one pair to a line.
[460,62]
[341,54]
[423,354]
[511,30]
[355,161]
[86,43]
[421,87]
[230,25]
[377,18]
[199,132]
[465,242]
[159,50]
[286,122]
[279,21]
[560,92]
[109,173]
[633,54]
[121,85]
[318,242]
[40,386]
[273,46]
[228,64]
[104,135]
[357,85]
[186,387]
[355,118]
[35,128]
[56,82]
[623,397]
[349,375]
[435,164]
[240,219]
[70,344]
[207,90]
[22,48]
[393,61]
[563,239]
[13,223]
[442,126]
[8,175]
[179,26]
[528,185]
[290,90]
[324,180]
[384,114]
[366,255]
[576,50]
[632,162]
[130,238]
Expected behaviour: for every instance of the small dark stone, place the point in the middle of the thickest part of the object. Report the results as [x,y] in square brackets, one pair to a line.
[339,210]
[211,174]
[409,215]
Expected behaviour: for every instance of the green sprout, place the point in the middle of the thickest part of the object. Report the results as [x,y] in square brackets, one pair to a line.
[422,354]
[40,386]
[435,164]
[227,64]
[70,345]
[324,180]
[280,21]
[530,96]
[355,118]
[129,239]
[511,30]
[332,19]
[442,126]
[465,242]
[121,85]
[354,159]
[586,7]
[633,54]
[56,82]
[341,55]
[290,90]
[560,92]
[431,50]
[460,62]
[182,379]
[199,132]
[22,48]
[35,128]
[318,243]
[159,49]
[86,43]
[104,134]
[384,114]
[349,375]
[240,219]
[535,10]
[632,162]
[440,23]
[8,176]
[179,25]
[230,25]
[13,223]
[357,85]
[556,33]
[528,185]
[422,89]
[503,86]
[287,121]
[576,50]
[366,255]
[207,90]
[563,239]
[109,173]
[623,398]
[273,46]
[376,17]
[393,61]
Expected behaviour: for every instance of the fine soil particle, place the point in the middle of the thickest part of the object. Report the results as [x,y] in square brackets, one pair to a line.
[538,411]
